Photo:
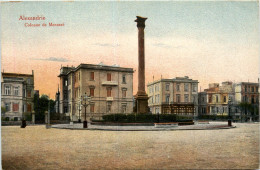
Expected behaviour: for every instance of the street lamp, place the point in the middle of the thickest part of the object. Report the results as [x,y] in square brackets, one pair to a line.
[79,105]
[85,100]
[229,112]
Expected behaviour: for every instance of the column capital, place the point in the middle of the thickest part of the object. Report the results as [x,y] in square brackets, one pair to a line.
[140,21]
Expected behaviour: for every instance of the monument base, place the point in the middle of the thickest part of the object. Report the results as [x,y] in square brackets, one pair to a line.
[141,103]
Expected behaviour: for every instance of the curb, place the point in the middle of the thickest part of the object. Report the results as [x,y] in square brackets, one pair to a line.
[159,129]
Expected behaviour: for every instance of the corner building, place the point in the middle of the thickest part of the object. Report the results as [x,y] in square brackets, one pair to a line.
[174,96]
[17,91]
[110,88]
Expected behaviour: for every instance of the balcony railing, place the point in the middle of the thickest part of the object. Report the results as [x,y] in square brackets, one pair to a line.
[109,83]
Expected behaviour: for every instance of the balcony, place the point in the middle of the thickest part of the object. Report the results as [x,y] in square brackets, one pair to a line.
[110,99]
[109,83]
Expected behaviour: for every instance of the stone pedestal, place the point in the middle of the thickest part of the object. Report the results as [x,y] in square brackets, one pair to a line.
[46,117]
[141,103]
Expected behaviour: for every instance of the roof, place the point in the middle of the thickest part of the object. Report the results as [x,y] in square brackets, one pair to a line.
[98,67]
[177,79]
[16,75]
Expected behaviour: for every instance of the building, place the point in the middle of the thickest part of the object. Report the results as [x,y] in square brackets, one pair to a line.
[17,95]
[214,100]
[177,96]
[110,88]
[220,100]
[247,92]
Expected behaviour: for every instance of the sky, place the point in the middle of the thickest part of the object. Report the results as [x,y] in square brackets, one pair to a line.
[207,41]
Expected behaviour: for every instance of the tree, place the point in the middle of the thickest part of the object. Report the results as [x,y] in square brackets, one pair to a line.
[3,110]
[40,106]
[246,108]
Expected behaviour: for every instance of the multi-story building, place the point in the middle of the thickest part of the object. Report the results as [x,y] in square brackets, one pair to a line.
[17,95]
[247,92]
[110,88]
[220,100]
[214,100]
[177,96]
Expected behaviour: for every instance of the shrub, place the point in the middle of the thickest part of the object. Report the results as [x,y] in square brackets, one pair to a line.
[213,117]
[144,118]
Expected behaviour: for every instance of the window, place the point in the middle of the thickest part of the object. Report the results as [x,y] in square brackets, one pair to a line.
[109,92]
[245,88]
[28,81]
[252,89]
[256,89]
[65,109]
[28,93]
[252,99]
[92,76]
[167,87]
[178,98]
[186,98]
[216,99]
[24,93]
[124,93]
[178,87]
[7,90]
[15,107]
[16,91]
[65,82]
[210,99]
[65,95]
[29,108]
[108,76]
[92,92]
[109,104]
[194,88]
[217,109]
[167,98]
[123,79]
[123,108]
[7,107]
[92,108]
[79,75]
[225,98]
[186,87]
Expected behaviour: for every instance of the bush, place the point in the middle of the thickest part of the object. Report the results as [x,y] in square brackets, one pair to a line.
[6,119]
[144,118]
[213,117]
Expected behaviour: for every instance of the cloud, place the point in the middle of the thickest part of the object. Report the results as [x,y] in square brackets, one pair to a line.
[56,59]
[163,45]
[106,45]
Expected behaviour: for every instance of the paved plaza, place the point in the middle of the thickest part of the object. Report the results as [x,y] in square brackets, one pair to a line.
[36,147]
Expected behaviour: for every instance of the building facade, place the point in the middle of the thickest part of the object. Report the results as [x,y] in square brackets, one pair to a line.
[17,92]
[176,96]
[110,88]
[247,93]
[240,99]
[214,100]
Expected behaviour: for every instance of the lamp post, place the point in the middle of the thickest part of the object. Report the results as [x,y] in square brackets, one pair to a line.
[79,104]
[85,100]
[229,112]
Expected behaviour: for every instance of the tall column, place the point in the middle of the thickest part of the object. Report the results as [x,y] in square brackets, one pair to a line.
[141,96]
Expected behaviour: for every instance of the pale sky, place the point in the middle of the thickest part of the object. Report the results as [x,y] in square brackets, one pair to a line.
[207,41]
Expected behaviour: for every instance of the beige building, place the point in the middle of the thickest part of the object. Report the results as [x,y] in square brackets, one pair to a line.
[17,92]
[110,88]
[177,96]
[214,100]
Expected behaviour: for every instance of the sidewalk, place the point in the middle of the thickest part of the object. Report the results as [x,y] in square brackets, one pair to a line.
[196,126]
